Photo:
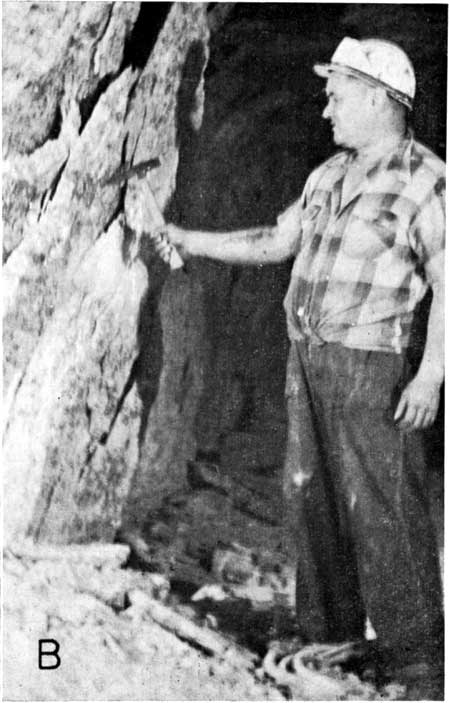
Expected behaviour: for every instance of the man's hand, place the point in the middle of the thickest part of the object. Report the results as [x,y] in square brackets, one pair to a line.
[419,401]
[418,405]
[175,235]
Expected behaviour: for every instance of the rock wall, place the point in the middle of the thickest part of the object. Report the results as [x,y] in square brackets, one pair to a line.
[79,281]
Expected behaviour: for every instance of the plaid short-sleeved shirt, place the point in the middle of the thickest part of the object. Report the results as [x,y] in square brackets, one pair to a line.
[360,268]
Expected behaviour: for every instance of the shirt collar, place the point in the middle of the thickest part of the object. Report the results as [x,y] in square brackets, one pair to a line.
[398,162]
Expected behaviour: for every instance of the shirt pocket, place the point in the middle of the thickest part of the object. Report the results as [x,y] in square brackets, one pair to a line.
[369,233]
[315,212]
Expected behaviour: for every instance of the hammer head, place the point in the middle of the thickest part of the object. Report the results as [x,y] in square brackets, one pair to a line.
[123,173]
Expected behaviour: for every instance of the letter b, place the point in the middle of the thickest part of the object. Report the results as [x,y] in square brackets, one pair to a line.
[49,653]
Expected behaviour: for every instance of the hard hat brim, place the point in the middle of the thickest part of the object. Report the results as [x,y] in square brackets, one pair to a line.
[325,70]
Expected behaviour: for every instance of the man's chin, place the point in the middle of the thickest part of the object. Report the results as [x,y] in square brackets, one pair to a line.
[338,139]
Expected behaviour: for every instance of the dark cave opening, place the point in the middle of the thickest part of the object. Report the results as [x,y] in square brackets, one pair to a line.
[141,41]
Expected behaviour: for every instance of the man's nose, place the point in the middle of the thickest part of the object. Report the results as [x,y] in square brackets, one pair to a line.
[326,114]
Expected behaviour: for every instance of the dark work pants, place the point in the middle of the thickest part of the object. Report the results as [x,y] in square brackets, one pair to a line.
[356,505]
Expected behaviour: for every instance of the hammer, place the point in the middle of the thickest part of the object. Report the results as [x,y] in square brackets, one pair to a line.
[122,174]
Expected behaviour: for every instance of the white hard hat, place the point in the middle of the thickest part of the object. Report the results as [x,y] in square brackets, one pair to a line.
[376,61]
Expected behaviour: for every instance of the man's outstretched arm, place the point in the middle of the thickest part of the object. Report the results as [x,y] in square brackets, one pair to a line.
[257,245]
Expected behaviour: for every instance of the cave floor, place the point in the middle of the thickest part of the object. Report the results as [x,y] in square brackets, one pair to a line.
[224,595]
[124,634]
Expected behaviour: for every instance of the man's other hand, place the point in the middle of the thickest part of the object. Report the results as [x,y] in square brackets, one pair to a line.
[418,405]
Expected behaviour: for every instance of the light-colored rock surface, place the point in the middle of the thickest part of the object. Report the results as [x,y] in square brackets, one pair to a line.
[54,57]
[110,647]
[54,52]
[75,276]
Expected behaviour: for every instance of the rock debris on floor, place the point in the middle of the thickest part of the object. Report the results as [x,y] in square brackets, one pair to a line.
[123,634]
[110,646]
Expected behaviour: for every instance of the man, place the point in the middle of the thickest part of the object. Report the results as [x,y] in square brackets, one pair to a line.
[368,237]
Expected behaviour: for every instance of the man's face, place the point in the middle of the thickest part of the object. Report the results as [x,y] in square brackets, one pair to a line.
[349,110]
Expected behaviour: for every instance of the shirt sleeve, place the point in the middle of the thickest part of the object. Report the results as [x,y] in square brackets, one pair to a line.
[289,222]
[428,231]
